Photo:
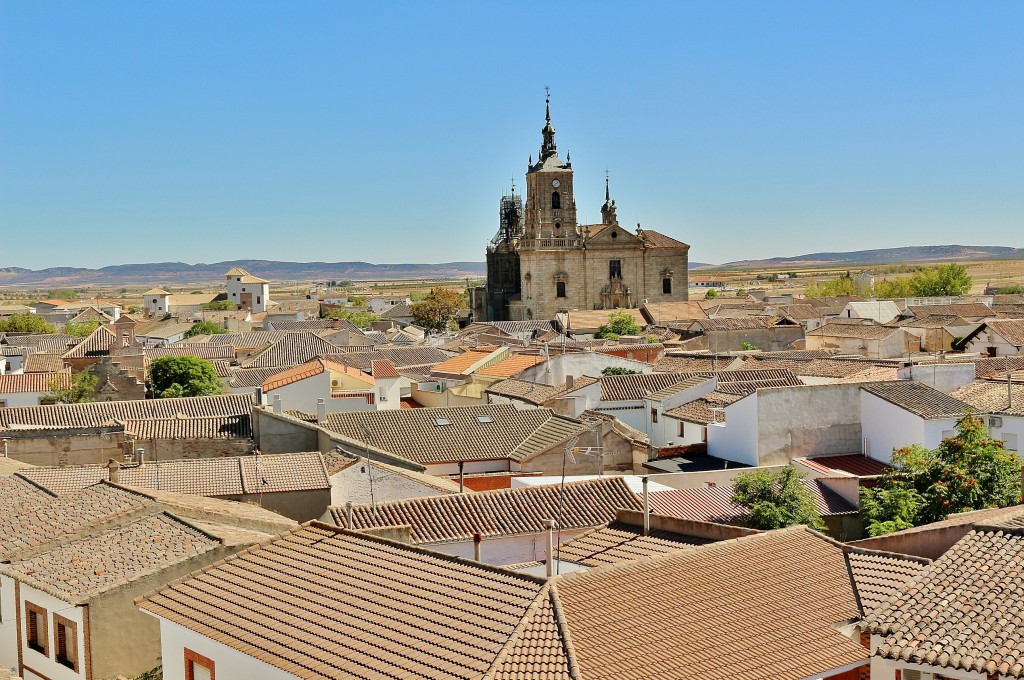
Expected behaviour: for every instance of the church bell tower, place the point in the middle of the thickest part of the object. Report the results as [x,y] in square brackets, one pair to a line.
[550,204]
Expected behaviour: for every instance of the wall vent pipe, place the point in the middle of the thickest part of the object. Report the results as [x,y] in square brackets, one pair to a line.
[549,525]
[647,507]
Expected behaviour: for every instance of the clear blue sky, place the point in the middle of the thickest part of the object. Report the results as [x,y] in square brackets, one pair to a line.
[386,131]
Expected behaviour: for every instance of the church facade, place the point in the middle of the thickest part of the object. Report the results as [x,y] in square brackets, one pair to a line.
[542,261]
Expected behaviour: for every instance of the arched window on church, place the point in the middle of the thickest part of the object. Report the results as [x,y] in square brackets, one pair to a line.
[556,200]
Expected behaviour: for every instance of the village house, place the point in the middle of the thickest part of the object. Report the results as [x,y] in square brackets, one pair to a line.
[247,291]
[769,333]
[71,566]
[996,338]
[1001,401]
[323,386]
[30,389]
[594,623]
[879,311]
[866,339]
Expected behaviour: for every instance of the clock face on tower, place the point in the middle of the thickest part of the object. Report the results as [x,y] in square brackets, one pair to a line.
[555,183]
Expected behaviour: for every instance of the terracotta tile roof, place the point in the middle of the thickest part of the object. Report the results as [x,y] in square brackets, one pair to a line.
[988,365]
[799,312]
[714,504]
[94,414]
[52,343]
[690,364]
[656,239]
[878,576]
[772,600]
[816,367]
[155,291]
[501,512]
[95,344]
[536,649]
[307,325]
[918,398]
[77,571]
[383,368]
[14,383]
[537,394]
[397,311]
[17,492]
[636,387]
[231,476]
[252,377]
[438,435]
[989,396]
[733,324]
[854,330]
[288,603]
[699,411]
[213,427]
[309,369]
[163,330]
[461,362]
[620,542]
[962,309]
[248,340]
[934,321]
[1011,330]
[514,365]
[202,350]
[291,350]
[858,466]
[964,611]
[666,312]
[43,363]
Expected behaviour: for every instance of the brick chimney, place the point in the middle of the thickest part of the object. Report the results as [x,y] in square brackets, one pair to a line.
[113,470]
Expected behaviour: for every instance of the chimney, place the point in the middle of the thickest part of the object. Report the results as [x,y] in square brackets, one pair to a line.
[462,476]
[477,540]
[260,401]
[569,382]
[348,513]
[113,470]
[277,403]
[549,524]
[321,411]
[647,507]
[140,456]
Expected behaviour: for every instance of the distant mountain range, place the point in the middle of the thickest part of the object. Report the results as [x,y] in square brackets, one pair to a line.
[909,254]
[182,273]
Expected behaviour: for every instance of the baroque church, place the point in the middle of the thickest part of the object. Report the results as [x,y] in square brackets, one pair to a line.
[542,261]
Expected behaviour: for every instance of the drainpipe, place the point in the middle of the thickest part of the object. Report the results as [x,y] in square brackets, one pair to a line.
[647,507]
[549,524]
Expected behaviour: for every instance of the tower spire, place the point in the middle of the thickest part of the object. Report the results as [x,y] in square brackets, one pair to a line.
[547,147]
[607,190]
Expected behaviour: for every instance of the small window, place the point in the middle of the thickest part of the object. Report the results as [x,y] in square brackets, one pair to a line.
[556,200]
[239,279]
[654,415]
[682,429]
[65,640]
[198,667]
[666,286]
[615,269]
[37,636]
[257,299]
[615,234]
[560,289]
[558,225]
[484,419]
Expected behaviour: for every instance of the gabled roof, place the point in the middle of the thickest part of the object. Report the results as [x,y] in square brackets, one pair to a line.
[77,571]
[537,394]
[656,239]
[501,512]
[309,369]
[419,614]
[990,396]
[155,291]
[291,350]
[97,413]
[918,398]
[855,330]
[621,542]
[965,611]
[851,464]
[13,383]
[714,504]
[514,365]
[95,344]
[1010,330]
[961,309]
[440,435]
[704,410]
[382,368]
[460,363]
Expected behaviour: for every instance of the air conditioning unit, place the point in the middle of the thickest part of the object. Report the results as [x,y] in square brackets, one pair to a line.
[995,421]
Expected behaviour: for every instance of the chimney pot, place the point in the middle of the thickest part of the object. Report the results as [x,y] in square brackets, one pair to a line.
[348,513]
[113,470]
[277,404]
[477,540]
[321,411]
[140,456]
[549,524]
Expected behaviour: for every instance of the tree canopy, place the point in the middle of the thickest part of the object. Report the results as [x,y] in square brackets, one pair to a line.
[25,323]
[183,377]
[620,322]
[205,328]
[82,388]
[775,499]
[222,305]
[618,370]
[360,318]
[711,294]
[970,471]
[81,329]
[438,310]
[944,280]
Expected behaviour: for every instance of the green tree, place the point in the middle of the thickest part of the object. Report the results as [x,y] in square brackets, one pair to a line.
[60,294]
[25,323]
[205,328]
[711,294]
[222,305]
[620,322]
[741,292]
[970,471]
[358,318]
[944,280]
[1011,290]
[183,377]
[894,288]
[81,388]
[843,286]
[438,310]
[618,370]
[775,499]
[81,329]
